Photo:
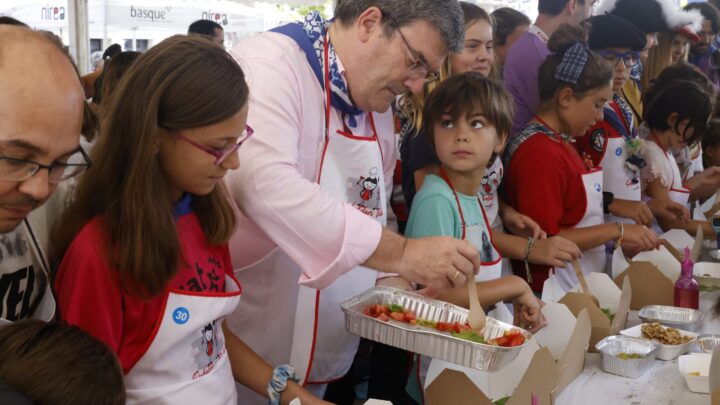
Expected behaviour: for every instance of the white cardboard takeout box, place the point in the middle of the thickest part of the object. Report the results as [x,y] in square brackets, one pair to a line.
[549,362]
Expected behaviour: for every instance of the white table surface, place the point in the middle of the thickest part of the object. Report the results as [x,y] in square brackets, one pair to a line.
[661,385]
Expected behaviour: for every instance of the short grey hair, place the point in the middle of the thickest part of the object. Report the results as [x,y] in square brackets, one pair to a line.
[445,15]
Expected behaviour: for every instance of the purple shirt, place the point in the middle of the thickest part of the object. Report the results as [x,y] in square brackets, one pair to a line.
[521,77]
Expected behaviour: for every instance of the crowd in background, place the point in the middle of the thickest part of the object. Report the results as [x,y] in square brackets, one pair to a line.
[181,225]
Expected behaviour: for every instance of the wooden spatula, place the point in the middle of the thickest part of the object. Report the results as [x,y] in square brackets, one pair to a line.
[673,251]
[697,246]
[476,316]
[583,284]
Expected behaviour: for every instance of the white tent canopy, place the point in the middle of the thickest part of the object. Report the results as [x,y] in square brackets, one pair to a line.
[76,21]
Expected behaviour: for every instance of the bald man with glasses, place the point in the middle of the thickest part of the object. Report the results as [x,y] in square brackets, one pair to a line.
[41,116]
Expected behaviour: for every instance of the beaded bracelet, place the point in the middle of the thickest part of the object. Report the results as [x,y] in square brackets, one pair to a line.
[528,250]
[618,241]
[278,382]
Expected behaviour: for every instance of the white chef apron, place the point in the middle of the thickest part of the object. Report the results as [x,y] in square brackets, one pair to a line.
[186,361]
[592,260]
[618,178]
[678,193]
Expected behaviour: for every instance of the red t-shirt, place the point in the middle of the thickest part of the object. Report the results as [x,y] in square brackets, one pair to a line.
[89,295]
[544,182]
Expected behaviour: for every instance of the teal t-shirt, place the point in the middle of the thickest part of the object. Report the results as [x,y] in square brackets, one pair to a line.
[434,212]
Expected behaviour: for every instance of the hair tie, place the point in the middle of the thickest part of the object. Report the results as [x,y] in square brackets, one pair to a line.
[573,63]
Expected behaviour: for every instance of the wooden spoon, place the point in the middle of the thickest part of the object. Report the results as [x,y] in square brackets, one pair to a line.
[476,316]
[583,284]
[673,251]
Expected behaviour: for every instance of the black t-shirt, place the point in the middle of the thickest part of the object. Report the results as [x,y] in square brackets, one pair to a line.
[416,152]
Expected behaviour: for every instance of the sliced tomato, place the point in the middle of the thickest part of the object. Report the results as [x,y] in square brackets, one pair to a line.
[409,316]
[516,340]
[501,341]
[398,316]
[383,317]
[444,326]
[382,309]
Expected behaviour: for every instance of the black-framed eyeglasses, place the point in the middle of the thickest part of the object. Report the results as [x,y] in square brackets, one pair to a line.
[13,169]
[630,58]
[417,66]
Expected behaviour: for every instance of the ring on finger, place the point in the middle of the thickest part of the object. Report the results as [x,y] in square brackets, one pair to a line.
[457,273]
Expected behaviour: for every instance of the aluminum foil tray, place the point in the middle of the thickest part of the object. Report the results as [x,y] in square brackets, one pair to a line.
[611,346]
[674,317]
[708,342]
[428,341]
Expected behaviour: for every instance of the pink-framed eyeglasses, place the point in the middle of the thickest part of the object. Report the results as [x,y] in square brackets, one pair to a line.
[220,155]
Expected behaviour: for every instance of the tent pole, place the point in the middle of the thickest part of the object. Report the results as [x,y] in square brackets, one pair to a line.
[79,39]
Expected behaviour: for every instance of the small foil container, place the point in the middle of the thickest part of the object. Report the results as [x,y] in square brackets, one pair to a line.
[708,342]
[673,317]
[715,254]
[611,346]
[427,341]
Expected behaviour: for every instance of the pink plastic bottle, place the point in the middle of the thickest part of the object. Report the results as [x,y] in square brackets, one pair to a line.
[687,293]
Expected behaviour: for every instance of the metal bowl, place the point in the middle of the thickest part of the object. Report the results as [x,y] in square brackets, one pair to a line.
[708,342]
[612,346]
[427,341]
[674,317]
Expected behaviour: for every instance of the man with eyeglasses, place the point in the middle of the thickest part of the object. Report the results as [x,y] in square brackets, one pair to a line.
[315,178]
[41,115]
[704,54]
[523,60]
[651,17]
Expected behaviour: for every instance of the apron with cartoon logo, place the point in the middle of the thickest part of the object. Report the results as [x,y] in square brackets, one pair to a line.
[186,361]
[489,193]
[351,170]
[480,236]
[307,329]
[678,193]
[618,178]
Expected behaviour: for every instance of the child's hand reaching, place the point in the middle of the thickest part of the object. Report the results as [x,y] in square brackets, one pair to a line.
[521,225]
[527,312]
[668,210]
[554,251]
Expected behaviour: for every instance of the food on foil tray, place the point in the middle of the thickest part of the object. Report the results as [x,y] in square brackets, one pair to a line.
[666,336]
[629,356]
[385,313]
